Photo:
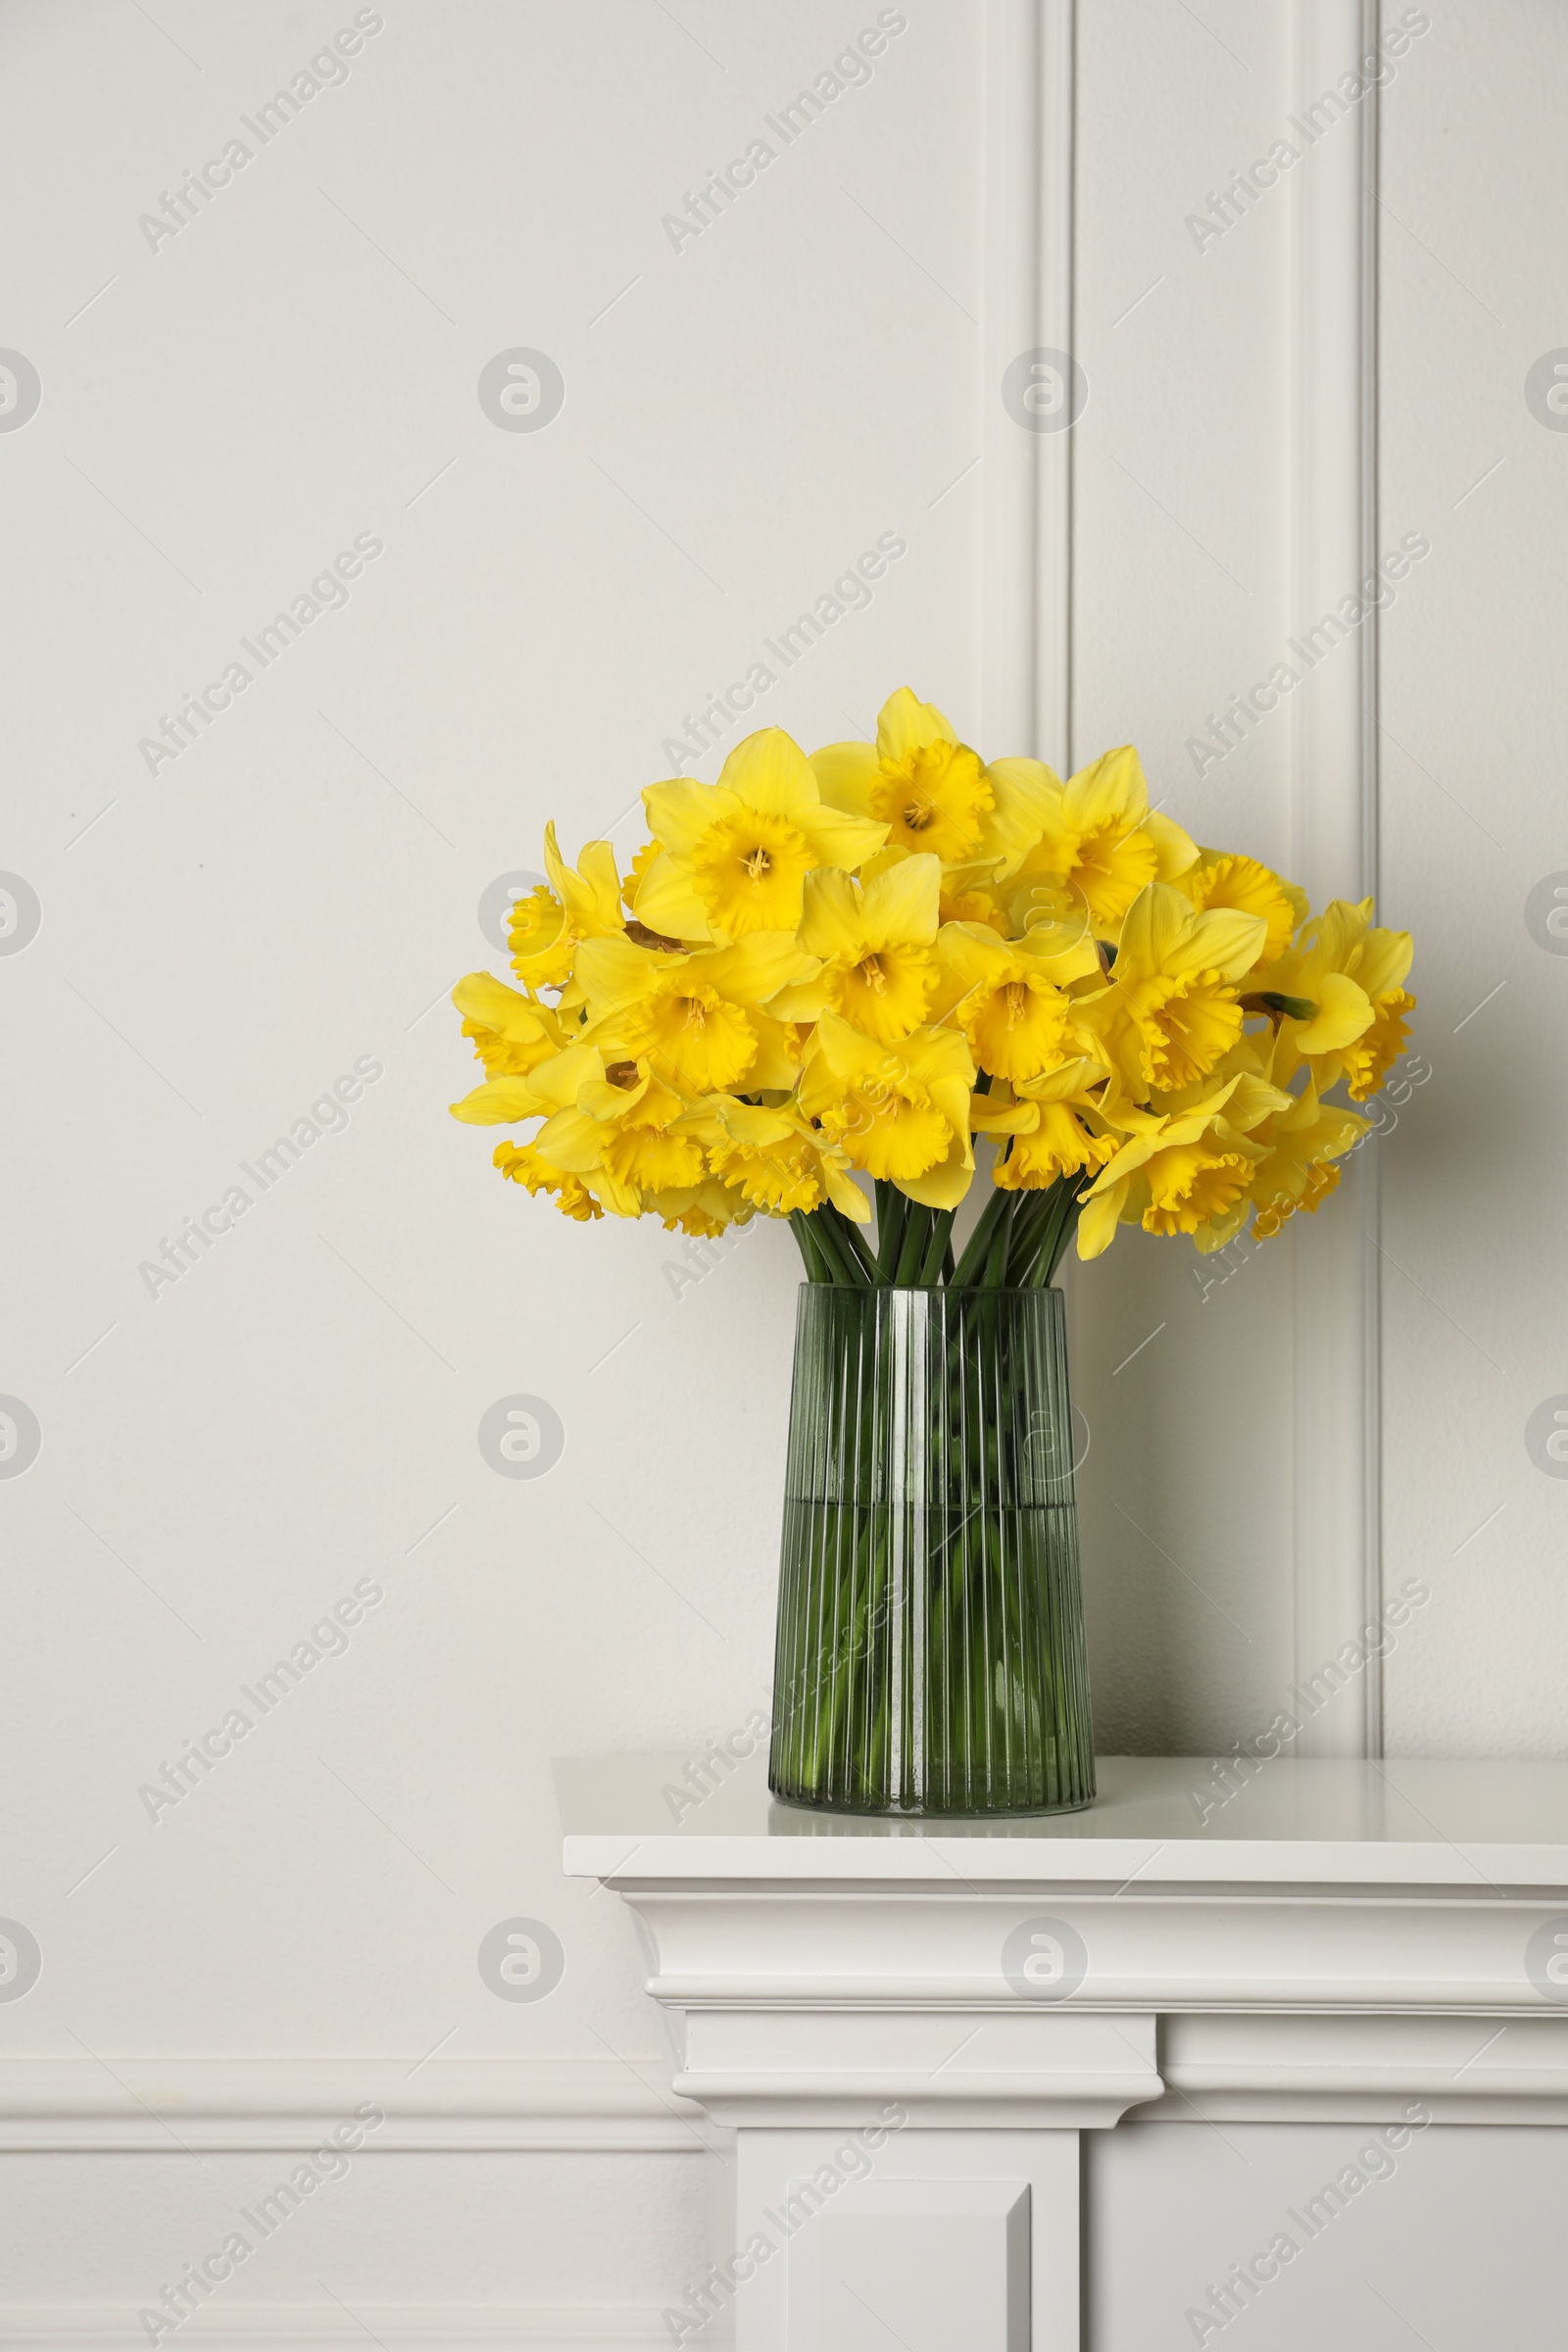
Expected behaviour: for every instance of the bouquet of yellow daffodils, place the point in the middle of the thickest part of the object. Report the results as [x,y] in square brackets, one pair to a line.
[857,962]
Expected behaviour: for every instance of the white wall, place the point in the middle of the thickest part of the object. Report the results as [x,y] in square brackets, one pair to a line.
[222,938]
[1180,484]
[1474,820]
[298,365]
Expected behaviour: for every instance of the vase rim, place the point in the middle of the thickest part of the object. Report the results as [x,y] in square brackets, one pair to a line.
[939,1289]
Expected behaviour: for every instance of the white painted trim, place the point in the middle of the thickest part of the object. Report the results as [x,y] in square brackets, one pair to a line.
[148,2106]
[937,2172]
[327,2327]
[1333,1939]
[1026,554]
[1333,798]
[1312,1940]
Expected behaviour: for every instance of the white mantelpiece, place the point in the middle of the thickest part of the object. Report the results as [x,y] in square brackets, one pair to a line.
[1316,1939]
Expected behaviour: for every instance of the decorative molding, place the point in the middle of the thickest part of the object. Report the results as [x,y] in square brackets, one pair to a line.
[1027,533]
[1316,1932]
[1333,798]
[975,2235]
[908,2023]
[1363,2068]
[146,2106]
[329,2327]
[948,2056]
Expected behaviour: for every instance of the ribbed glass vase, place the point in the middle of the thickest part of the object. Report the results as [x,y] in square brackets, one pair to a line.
[930,1653]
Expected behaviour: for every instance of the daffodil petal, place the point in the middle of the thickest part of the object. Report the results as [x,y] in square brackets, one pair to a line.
[682,810]
[1175,849]
[770,772]
[901,905]
[839,839]
[668,901]
[831,922]
[844,774]
[1110,791]
[1026,796]
[844,1193]
[1344,1011]
[1099,1218]
[483,999]
[498,1102]
[906,725]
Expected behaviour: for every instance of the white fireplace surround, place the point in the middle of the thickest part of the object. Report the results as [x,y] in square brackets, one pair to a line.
[1301,1941]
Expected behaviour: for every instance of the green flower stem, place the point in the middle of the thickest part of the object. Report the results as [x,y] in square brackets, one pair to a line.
[979,1242]
[892,1210]
[834,1719]
[1063,1225]
[997,1255]
[851,1242]
[1033,1240]
[839,1251]
[800,1228]
[916,1241]
[938,1249]
[1018,1243]
[818,1266]
[1069,1228]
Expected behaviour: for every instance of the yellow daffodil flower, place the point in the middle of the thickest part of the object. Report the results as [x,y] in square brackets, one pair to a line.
[578,902]
[917,780]
[626,1127]
[898,1111]
[1297,1170]
[779,1162]
[1351,972]
[706,1209]
[1101,840]
[876,945]
[1188,1172]
[1218,879]
[637,873]
[1025,796]
[550,1086]
[694,1017]
[511,1034]
[1014,1007]
[1168,1011]
[736,853]
[522,1163]
[541,940]
[970,895]
[1056,1125]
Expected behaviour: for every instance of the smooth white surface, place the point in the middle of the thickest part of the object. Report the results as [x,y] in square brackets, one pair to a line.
[1293,1820]
[411,2325]
[1459,2245]
[995,2259]
[1333,714]
[299,1411]
[1026,478]
[1472,797]
[945,2258]
[1183,484]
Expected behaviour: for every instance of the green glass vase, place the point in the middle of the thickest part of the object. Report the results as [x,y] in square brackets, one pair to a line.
[930,1654]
